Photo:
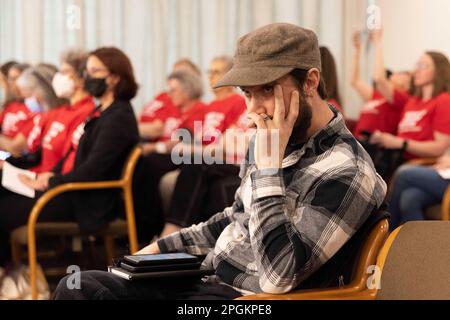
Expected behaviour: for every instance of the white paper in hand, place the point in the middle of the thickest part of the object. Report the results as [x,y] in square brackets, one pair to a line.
[10,180]
[444,173]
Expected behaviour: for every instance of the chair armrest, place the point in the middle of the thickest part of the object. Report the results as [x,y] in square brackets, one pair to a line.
[324,294]
[54,192]
[311,294]
[445,205]
[40,204]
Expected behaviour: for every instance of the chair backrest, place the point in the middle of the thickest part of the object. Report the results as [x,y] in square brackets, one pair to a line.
[415,262]
[130,164]
[349,266]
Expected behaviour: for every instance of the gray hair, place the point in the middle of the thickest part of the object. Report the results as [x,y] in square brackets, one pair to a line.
[76,58]
[227,60]
[191,82]
[39,80]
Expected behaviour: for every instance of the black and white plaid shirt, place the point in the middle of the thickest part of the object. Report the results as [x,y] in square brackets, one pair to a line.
[286,223]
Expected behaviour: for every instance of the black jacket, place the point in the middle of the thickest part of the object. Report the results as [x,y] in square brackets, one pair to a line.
[102,151]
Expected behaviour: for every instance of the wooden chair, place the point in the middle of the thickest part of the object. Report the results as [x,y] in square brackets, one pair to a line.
[116,228]
[413,264]
[367,257]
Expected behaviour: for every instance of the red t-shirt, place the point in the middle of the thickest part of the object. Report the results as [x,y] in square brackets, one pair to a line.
[220,115]
[184,120]
[420,119]
[336,104]
[31,130]
[378,114]
[55,130]
[13,117]
[70,149]
[161,108]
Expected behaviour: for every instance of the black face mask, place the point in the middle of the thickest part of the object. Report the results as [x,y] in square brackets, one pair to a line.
[96,87]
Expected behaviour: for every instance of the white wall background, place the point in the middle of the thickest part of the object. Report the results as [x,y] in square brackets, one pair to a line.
[155,33]
[412,27]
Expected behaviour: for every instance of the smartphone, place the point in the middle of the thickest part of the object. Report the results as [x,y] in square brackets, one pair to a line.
[160,259]
[164,267]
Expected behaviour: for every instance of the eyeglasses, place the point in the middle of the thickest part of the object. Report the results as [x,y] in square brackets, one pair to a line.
[214,72]
[422,66]
[95,72]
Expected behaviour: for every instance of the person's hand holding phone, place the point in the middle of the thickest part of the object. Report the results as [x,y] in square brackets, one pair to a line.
[272,135]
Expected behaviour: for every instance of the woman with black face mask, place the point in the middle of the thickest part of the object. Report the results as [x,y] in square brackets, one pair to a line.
[110,133]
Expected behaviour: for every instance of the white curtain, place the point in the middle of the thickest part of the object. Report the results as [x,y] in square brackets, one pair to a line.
[155,33]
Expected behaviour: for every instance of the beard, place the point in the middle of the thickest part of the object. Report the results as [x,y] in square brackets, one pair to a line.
[303,122]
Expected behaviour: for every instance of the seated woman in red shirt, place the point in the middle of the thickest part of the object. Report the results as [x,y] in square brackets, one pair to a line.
[4,88]
[35,84]
[377,113]
[14,111]
[184,89]
[51,133]
[424,128]
[153,119]
[329,76]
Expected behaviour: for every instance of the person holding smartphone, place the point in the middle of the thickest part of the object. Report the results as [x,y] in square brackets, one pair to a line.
[297,204]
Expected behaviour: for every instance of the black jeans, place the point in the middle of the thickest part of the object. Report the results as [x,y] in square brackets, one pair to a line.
[100,285]
[15,210]
[147,201]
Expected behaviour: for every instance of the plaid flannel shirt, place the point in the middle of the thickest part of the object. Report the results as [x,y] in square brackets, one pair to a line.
[286,223]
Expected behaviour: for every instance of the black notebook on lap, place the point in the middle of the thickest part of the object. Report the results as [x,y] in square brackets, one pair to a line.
[170,265]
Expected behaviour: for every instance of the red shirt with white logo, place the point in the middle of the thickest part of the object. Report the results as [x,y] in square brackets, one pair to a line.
[31,130]
[221,115]
[378,114]
[162,108]
[421,119]
[54,130]
[159,109]
[185,120]
[13,117]
[70,149]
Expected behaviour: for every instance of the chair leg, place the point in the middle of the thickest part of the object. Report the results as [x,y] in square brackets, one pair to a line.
[109,246]
[16,251]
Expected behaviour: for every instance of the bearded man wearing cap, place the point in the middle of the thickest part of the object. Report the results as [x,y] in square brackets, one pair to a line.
[296,206]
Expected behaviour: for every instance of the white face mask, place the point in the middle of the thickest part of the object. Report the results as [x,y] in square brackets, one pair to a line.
[64,86]
[33,104]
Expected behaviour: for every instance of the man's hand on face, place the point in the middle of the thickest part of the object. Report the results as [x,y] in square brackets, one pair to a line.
[272,135]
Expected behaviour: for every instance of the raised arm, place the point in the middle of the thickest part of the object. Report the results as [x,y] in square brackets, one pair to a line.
[383,84]
[363,89]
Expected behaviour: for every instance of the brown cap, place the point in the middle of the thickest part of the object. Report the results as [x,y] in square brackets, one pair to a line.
[271,52]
